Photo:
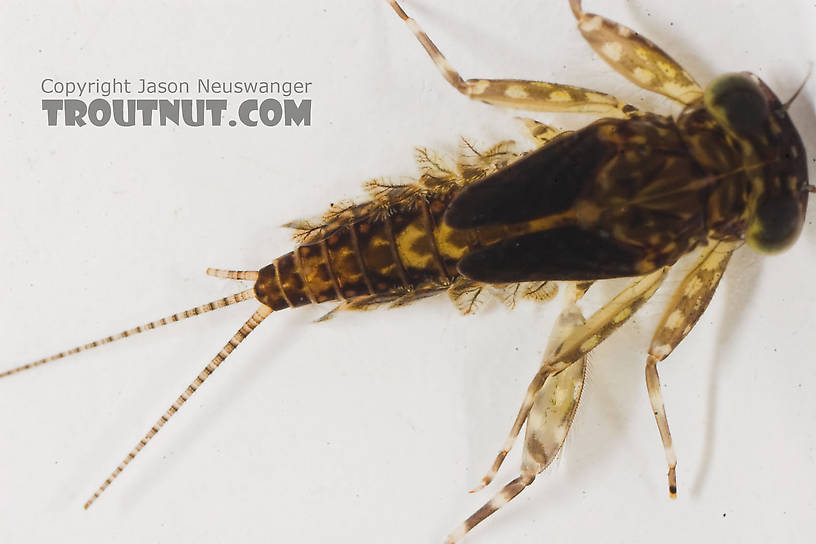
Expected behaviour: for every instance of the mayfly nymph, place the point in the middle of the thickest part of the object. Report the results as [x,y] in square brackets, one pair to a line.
[624,197]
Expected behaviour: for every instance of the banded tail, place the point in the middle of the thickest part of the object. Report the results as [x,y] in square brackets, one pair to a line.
[197,310]
[371,259]
[394,248]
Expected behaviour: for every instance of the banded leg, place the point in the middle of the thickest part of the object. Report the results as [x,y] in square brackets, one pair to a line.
[550,419]
[517,93]
[259,315]
[580,342]
[687,304]
[636,58]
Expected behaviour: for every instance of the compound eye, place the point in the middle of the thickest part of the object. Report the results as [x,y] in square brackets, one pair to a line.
[776,225]
[737,101]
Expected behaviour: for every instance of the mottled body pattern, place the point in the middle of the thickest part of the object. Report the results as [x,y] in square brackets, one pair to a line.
[626,196]
[395,248]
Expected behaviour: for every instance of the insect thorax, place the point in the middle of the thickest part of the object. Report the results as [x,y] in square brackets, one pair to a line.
[725,186]
[641,194]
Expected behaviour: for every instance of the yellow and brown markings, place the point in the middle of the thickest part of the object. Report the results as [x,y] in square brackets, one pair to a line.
[398,242]
[544,96]
[649,186]
[541,133]
[431,226]
[620,197]
[636,58]
[639,194]
[346,264]
[551,416]
[489,235]
[268,288]
[451,244]
[416,248]
[730,184]
[579,341]
[691,297]
[317,274]
[610,317]
[687,304]
[292,284]
[712,146]
[515,93]
[556,402]
[394,224]
[379,257]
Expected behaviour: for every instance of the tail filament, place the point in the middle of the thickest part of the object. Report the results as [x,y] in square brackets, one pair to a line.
[239,336]
[210,306]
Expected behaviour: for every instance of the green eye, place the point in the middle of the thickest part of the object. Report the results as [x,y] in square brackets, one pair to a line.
[776,224]
[737,102]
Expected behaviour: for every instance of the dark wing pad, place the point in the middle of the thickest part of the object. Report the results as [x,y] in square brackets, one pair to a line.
[544,182]
[566,253]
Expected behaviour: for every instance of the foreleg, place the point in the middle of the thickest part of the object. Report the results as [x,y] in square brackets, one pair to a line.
[687,304]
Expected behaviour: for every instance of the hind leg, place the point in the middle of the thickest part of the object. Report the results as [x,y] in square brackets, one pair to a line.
[516,93]
[550,418]
[578,343]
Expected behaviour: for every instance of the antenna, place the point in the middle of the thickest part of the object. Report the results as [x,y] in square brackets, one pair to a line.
[787,104]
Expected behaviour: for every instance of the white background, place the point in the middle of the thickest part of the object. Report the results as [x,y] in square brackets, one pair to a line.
[370,428]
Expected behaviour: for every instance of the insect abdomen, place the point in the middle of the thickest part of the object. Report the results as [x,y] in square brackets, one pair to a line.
[383,255]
